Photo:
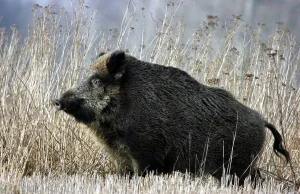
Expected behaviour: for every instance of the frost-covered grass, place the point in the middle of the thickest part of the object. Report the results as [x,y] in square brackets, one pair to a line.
[43,151]
[176,183]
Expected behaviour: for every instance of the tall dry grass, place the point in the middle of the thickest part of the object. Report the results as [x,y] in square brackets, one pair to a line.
[41,147]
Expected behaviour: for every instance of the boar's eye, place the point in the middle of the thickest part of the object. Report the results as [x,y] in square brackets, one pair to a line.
[96,82]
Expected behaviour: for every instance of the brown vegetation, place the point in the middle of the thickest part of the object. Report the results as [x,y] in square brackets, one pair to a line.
[35,140]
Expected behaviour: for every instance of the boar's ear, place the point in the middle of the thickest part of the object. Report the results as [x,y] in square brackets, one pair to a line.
[100,54]
[116,62]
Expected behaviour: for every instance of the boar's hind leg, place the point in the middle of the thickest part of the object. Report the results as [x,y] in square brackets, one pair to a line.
[254,175]
[240,172]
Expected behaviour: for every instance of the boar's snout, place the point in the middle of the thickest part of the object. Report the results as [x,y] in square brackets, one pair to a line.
[75,106]
[57,104]
[67,104]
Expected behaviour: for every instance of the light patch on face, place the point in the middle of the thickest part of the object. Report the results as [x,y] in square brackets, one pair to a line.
[100,65]
[113,90]
[103,103]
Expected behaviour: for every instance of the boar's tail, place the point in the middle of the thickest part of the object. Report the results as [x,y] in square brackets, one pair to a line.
[277,146]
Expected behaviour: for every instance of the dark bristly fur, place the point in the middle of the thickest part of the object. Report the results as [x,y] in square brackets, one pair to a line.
[156,118]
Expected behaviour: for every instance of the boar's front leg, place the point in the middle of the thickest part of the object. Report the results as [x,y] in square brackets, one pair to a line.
[145,162]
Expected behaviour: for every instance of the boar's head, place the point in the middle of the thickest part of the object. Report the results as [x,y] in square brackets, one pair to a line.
[87,101]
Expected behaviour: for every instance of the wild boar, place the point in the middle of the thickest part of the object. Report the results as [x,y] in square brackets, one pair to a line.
[157,118]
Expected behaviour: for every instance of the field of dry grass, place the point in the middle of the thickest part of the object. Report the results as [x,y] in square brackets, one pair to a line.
[42,151]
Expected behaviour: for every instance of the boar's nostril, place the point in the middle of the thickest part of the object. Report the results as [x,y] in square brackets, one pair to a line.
[56,103]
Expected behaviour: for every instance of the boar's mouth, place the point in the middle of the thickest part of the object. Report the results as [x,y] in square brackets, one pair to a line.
[74,107]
